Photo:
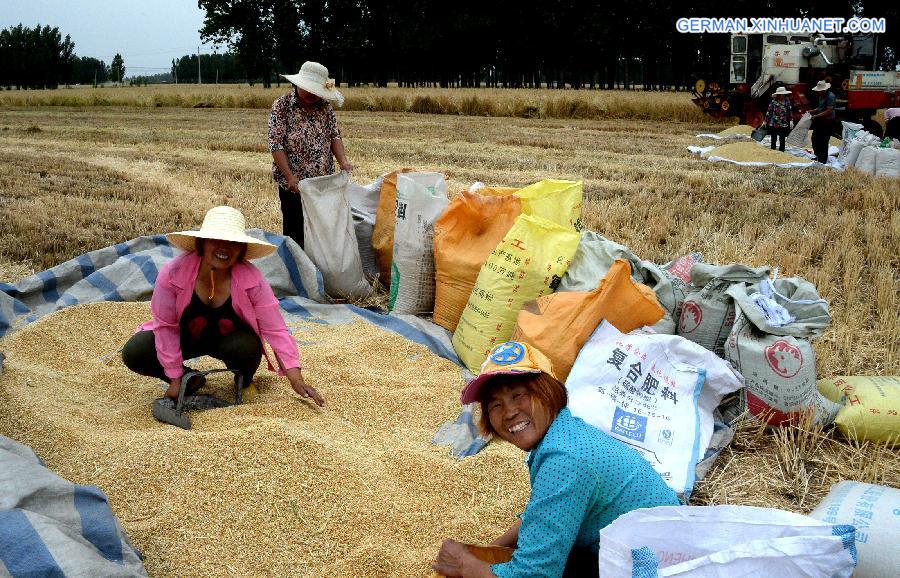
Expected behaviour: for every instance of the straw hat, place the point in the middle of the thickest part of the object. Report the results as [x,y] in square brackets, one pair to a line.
[313,77]
[781,91]
[821,85]
[225,224]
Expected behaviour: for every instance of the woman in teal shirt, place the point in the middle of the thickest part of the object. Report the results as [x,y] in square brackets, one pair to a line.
[581,478]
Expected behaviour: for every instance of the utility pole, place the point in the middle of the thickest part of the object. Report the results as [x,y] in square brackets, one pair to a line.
[215,56]
[95,77]
[198,65]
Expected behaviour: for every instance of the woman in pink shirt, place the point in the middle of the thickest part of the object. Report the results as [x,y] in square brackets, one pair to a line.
[212,301]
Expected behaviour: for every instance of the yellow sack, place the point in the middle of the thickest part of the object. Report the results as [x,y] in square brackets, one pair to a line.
[529,262]
[464,237]
[558,325]
[558,201]
[871,408]
[496,191]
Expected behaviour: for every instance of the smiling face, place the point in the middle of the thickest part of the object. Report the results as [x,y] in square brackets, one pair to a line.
[219,254]
[516,416]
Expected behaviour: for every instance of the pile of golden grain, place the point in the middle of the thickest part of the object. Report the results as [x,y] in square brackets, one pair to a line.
[736,130]
[275,486]
[750,151]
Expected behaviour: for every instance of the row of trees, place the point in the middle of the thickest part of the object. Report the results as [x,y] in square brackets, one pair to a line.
[510,43]
[40,57]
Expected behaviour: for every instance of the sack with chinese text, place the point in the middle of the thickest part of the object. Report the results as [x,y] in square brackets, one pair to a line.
[875,513]
[653,392]
[421,198]
[558,325]
[555,200]
[363,201]
[329,235]
[724,541]
[707,313]
[385,220]
[670,281]
[771,345]
[870,406]
[529,262]
[464,236]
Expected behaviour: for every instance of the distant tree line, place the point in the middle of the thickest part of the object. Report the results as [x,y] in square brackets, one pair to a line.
[223,68]
[506,43]
[40,57]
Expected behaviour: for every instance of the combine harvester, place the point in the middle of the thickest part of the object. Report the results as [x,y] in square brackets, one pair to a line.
[762,62]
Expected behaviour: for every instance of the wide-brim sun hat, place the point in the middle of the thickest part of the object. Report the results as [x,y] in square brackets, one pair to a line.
[225,224]
[821,85]
[313,78]
[510,358]
[782,91]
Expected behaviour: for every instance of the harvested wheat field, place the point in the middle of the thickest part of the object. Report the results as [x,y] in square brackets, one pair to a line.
[356,488]
[275,486]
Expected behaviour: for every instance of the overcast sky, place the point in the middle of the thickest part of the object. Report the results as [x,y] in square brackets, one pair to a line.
[147,33]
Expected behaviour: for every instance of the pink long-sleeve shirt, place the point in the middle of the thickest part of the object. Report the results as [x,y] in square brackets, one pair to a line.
[251,297]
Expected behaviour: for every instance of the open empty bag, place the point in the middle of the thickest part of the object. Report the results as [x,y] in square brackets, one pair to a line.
[330,237]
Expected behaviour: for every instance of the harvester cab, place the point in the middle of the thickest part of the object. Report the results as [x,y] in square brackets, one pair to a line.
[759,63]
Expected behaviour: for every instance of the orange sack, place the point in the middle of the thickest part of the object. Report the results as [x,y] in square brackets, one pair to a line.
[464,237]
[383,233]
[561,323]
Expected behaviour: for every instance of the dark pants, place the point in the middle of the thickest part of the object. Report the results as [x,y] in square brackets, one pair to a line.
[582,562]
[821,134]
[892,129]
[778,134]
[240,350]
[291,215]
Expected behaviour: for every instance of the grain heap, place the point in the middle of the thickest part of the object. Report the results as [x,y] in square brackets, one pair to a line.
[753,152]
[275,486]
[736,130]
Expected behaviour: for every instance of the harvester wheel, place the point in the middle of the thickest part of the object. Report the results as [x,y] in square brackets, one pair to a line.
[845,86]
[726,105]
[700,86]
[705,104]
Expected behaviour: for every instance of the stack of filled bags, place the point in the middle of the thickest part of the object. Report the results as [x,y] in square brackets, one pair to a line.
[869,154]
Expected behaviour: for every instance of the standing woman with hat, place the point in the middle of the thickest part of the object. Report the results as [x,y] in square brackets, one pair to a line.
[581,478]
[304,139]
[212,301]
[778,117]
[822,121]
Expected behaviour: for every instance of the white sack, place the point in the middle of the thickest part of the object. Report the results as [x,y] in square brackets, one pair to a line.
[875,513]
[724,541]
[329,236]
[887,163]
[363,201]
[654,392]
[866,161]
[797,137]
[421,199]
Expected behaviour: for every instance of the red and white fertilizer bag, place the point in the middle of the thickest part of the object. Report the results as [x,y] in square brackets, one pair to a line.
[421,199]
[330,237]
[670,282]
[707,313]
[771,345]
[653,392]
[875,513]
[724,541]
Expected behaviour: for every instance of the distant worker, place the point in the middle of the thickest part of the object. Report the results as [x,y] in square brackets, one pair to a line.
[892,123]
[822,121]
[304,140]
[778,117]
[212,301]
[581,478]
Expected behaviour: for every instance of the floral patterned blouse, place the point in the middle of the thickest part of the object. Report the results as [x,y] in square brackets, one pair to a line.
[779,113]
[305,135]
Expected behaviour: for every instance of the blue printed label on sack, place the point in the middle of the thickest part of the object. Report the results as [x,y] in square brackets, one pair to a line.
[629,425]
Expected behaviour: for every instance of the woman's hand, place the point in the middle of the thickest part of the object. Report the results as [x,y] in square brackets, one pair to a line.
[454,559]
[346,165]
[293,183]
[299,384]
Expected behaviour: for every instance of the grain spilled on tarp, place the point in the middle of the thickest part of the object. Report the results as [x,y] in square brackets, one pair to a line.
[273,487]
[751,151]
